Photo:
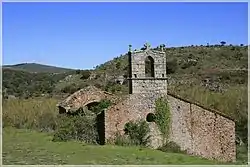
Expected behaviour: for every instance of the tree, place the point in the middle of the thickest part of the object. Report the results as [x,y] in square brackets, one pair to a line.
[85,74]
[223,43]
[78,71]
[118,65]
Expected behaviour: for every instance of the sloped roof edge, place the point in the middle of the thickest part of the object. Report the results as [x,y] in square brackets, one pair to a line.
[202,106]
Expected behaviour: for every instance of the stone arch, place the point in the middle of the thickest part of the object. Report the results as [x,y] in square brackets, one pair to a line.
[91,104]
[84,97]
[149,67]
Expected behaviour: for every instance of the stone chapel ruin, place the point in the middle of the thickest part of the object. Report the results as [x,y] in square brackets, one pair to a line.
[196,129]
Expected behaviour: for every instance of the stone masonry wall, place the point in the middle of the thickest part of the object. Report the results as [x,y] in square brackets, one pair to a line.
[138,63]
[150,86]
[202,132]
[142,84]
[135,107]
[195,129]
[145,91]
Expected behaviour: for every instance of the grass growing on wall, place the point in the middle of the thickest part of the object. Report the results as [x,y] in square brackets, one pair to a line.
[163,117]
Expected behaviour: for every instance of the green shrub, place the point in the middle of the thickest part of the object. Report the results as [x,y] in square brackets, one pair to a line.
[172,66]
[138,132]
[78,71]
[98,85]
[112,87]
[242,153]
[80,127]
[100,106]
[163,117]
[188,64]
[118,65]
[123,140]
[85,74]
[71,88]
[171,147]
[47,122]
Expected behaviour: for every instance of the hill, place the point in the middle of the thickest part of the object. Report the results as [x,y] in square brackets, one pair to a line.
[37,68]
[212,75]
[23,84]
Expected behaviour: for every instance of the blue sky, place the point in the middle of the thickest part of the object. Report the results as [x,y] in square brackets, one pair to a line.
[83,35]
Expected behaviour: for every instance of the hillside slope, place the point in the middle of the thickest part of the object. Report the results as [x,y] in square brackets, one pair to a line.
[23,84]
[37,68]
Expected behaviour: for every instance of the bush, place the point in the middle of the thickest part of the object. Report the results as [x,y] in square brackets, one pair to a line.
[242,153]
[163,117]
[98,85]
[123,140]
[188,64]
[80,127]
[118,65]
[171,66]
[138,132]
[113,87]
[77,71]
[71,88]
[47,122]
[100,106]
[85,74]
[109,85]
[171,147]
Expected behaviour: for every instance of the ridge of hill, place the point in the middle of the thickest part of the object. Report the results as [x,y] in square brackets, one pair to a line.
[36,68]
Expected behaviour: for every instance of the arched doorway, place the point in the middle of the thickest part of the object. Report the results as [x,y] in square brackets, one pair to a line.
[149,67]
[100,123]
[99,109]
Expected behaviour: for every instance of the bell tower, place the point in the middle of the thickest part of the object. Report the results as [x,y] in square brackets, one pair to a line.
[147,71]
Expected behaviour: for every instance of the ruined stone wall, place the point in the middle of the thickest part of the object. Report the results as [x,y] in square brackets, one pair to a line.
[85,96]
[202,132]
[135,107]
[197,130]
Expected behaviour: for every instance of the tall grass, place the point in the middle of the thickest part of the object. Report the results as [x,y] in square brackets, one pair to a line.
[39,114]
[231,102]
[42,115]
